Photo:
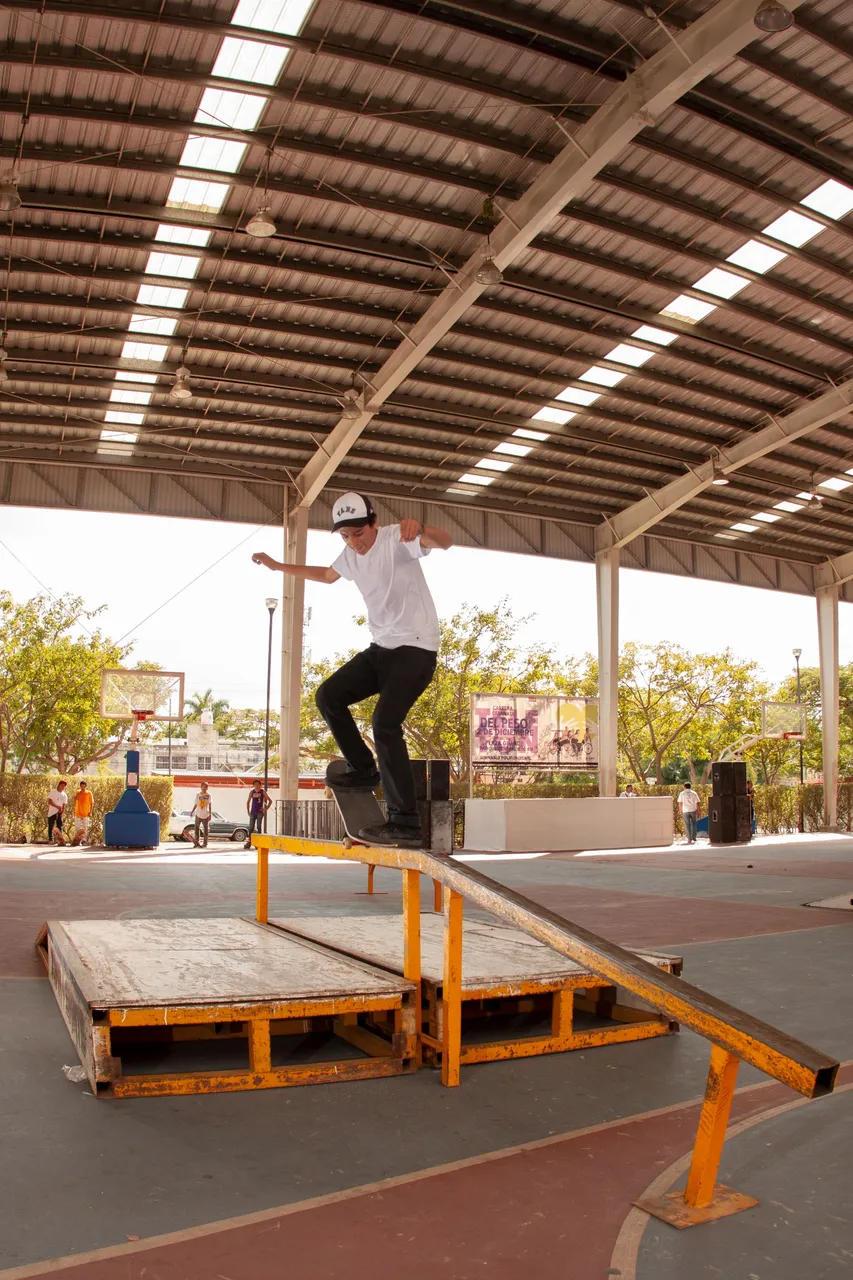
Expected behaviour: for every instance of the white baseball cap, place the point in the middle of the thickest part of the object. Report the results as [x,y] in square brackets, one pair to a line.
[351,509]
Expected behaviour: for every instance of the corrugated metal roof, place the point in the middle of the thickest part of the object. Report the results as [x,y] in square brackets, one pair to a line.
[388,124]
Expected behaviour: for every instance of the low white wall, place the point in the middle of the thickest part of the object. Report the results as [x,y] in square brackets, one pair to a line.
[556,825]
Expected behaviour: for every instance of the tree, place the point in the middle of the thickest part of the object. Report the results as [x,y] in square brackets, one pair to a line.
[50,686]
[672,703]
[196,703]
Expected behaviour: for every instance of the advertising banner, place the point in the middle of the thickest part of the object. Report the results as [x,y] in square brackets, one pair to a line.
[530,729]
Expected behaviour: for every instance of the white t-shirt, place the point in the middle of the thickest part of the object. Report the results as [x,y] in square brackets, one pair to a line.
[627,795]
[400,609]
[203,807]
[57,800]
[689,800]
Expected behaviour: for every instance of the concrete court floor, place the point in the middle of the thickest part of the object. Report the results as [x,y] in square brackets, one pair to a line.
[530,1166]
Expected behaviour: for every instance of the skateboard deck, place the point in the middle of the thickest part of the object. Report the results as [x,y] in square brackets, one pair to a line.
[357,808]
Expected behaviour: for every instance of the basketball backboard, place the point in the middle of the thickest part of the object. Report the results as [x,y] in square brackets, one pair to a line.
[142,695]
[784,720]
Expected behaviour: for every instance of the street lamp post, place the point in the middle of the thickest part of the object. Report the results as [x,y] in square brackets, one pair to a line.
[272,604]
[797,654]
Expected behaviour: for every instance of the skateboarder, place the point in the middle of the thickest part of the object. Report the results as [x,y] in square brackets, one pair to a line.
[398,665]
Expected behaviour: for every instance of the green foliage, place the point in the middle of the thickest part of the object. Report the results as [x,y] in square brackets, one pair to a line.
[23,803]
[50,686]
[196,703]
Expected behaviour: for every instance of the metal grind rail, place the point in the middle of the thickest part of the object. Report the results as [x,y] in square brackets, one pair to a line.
[735,1036]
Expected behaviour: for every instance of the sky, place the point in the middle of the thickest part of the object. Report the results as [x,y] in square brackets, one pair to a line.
[215,629]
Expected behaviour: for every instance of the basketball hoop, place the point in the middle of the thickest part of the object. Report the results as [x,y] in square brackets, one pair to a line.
[792,736]
[139,717]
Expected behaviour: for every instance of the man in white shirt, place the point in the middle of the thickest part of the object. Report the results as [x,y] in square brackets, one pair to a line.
[56,802]
[629,793]
[689,802]
[398,665]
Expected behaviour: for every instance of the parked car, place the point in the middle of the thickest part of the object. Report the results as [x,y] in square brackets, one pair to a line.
[182,827]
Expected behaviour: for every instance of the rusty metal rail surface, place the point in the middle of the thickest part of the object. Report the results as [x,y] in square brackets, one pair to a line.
[735,1035]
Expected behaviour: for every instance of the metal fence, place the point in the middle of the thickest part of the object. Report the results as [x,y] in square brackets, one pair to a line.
[309,819]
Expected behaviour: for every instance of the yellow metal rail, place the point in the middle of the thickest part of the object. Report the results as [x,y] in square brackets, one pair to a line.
[735,1036]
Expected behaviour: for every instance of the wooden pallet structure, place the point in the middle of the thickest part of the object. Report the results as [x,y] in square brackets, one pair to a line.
[507,977]
[122,983]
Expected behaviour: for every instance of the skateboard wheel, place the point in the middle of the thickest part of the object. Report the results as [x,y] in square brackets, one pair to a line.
[346,842]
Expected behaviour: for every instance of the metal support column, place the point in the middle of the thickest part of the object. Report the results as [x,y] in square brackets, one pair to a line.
[607,603]
[292,626]
[827,629]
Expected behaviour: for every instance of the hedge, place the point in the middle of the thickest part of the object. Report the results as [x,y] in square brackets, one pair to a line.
[777,808]
[23,803]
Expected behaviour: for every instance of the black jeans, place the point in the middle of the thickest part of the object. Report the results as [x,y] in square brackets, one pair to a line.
[54,822]
[399,676]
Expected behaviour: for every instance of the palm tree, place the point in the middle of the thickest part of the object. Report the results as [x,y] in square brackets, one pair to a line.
[198,702]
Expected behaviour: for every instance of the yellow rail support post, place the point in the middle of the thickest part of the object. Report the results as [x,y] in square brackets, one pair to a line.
[370,873]
[451,991]
[704,1199]
[436,895]
[262,893]
[412,943]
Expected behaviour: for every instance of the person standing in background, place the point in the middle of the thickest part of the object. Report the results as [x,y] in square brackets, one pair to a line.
[257,803]
[56,802]
[688,799]
[202,812]
[82,813]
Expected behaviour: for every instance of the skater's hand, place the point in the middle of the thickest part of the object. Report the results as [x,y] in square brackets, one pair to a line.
[410,529]
[261,557]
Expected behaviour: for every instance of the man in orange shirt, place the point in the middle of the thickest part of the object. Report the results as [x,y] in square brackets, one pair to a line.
[82,813]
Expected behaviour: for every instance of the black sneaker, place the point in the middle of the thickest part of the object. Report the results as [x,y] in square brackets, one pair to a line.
[354,781]
[394,833]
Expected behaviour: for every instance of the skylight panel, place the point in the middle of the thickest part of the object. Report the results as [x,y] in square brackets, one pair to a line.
[172,264]
[793,228]
[725,284]
[230,110]
[182,235]
[283,16]
[756,256]
[787,506]
[744,528]
[832,198]
[128,419]
[121,396]
[558,416]
[526,434]
[153,295]
[249,60]
[136,377]
[159,326]
[766,517]
[690,309]
[471,477]
[204,197]
[608,377]
[648,333]
[213,153]
[494,464]
[626,354]
[835,483]
[121,437]
[576,396]
[517,450]
[144,351]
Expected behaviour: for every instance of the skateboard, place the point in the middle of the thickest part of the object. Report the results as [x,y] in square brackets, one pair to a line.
[357,808]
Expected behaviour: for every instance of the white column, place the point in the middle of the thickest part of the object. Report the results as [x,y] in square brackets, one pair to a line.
[827,630]
[292,625]
[607,601]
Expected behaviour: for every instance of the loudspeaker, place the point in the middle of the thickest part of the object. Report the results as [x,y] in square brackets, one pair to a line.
[439,779]
[729,820]
[728,778]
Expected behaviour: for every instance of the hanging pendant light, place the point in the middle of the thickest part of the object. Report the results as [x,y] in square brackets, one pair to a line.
[771,16]
[720,477]
[181,391]
[488,271]
[261,225]
[351,408]
[9,198]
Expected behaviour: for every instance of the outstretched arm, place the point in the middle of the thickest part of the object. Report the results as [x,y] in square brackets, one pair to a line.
[431,537]
[310,572]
